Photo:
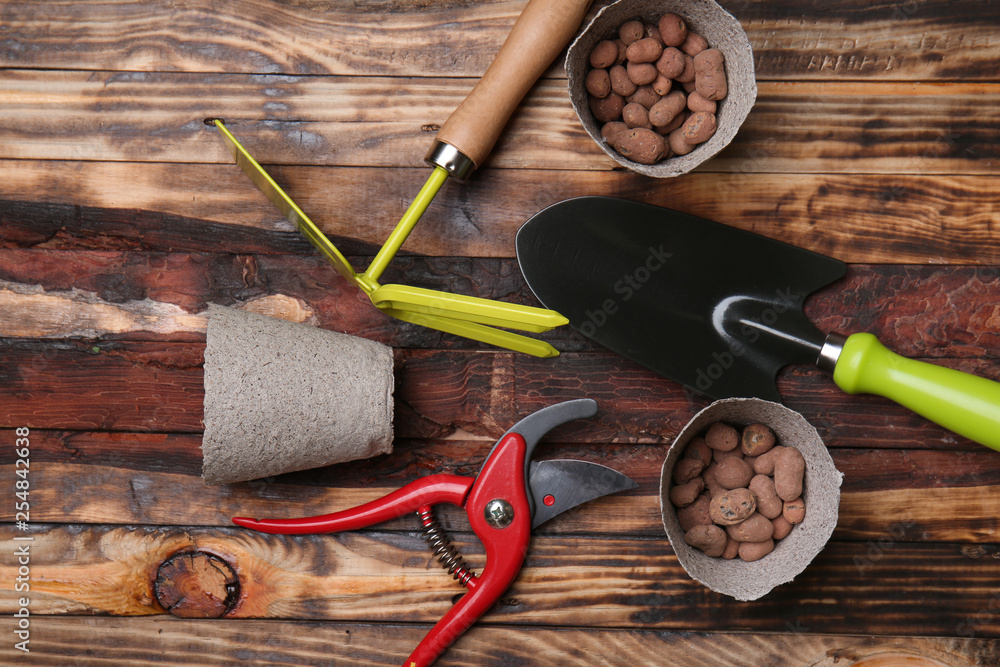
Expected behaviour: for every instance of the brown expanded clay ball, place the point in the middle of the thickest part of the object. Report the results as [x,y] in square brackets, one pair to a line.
[732,507]
[710,74]
[737,492]
[673,29]
[711,539]
[732,472]
[620,83]
[665,110]
[789,469]
[698,128]
[642,145]
[604,55]
[631,32]
[646,50]
[669,71]
[636,115]
[699,450]
[598,83]
[607,109]
[644,95]
[722,437]
[611,130]
[756,440]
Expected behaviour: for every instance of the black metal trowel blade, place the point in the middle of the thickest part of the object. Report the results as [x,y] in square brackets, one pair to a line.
[715,308]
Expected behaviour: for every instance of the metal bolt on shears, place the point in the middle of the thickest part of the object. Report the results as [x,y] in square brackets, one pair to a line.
[509,497]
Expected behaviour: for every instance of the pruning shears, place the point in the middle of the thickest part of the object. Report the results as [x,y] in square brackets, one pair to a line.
[509,497]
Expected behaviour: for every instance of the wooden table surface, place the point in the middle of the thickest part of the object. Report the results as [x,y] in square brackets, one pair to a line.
[875,139]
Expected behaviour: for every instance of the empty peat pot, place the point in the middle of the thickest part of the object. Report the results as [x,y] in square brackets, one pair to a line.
[704,17]
[281,396]
[749,580]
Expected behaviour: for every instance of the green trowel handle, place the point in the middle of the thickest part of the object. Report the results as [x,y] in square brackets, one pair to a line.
[963,403]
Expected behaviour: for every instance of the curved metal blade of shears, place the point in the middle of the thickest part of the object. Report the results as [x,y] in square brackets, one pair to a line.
[562,484]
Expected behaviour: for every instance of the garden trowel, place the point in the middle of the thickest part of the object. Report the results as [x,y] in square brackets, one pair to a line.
[719,309]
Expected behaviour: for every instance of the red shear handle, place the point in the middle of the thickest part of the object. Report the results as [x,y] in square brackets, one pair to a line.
[500,483]
[424,491]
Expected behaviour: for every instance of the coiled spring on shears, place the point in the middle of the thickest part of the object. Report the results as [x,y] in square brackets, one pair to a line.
[440,544]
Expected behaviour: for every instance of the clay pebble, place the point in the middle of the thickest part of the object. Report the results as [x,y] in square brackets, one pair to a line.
[710,74]
[695,514]
[755,528]
[687,469]
[711,539]
[789,469]
[642,145]
[598,83]
[794,511]
[698,450]
[722,437]
[604,55]
[751,551]
[756,438]
[684,494]
[732,507]
[733,473]
[768,502]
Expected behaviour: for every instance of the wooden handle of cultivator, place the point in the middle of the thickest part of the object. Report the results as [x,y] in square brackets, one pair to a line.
[541,32]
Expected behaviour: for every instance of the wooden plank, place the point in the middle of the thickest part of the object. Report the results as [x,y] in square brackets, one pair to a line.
[926,40]
[922,40]
[904,128]
[172,641]
[147,386]
[127,479]
[933,311]
[857,127]
[902,218]
[870,469]
[360,121]
[370,38]
[566,581]
[157,387]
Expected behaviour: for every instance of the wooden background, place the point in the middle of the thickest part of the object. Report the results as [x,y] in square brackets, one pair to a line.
[875,139]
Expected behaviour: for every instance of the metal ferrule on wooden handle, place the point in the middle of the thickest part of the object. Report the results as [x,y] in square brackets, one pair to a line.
[541,32]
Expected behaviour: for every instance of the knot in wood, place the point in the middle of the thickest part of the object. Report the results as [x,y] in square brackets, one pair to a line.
[196,584]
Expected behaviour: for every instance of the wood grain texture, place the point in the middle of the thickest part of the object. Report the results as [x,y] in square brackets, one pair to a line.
[874,139]
[196,584]
[923,40]
[868,469]
[930,39]
[613,582]
[928,311]
[898,496]
[157,387]
[902,218]
[255,36]
[161,640]
[910,128]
